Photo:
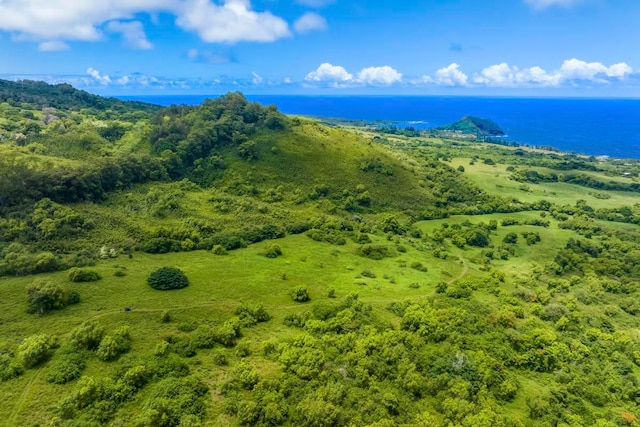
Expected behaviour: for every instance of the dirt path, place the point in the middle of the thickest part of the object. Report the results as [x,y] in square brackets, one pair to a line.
[465,270]
[23,398]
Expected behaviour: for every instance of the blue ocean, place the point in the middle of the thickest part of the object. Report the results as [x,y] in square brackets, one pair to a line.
[608,127]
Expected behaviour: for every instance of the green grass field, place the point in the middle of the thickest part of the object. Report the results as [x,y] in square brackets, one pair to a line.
[458,321]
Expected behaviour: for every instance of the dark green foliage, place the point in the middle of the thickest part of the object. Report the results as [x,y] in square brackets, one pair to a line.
[227,333]
[250,316]
[112,132]
[459,290]
[64,96]
[88,335]
[299,294]
[243,350]
[73,297]
[478,238]
[219,359]
[44,296]
[111,346]
[476,126]
[362,238]
[375,252]
[510,238]
[375,165]
[368,273]
[416,265]
[272,251]
[161,245]
[68,366]
[34,350]
[83,275]
[204,337]
[531,238]
[219,250]
[631,305]
[166,278]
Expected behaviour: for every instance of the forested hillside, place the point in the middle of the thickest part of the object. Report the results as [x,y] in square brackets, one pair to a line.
[228,265]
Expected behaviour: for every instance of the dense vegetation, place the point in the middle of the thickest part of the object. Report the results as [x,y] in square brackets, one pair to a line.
[338,276]
[470,125]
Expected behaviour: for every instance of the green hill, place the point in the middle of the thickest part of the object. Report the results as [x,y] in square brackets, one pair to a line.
[327,277]
[470,125]
[63,96]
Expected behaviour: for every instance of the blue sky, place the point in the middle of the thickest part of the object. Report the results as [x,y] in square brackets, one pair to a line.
[328,47]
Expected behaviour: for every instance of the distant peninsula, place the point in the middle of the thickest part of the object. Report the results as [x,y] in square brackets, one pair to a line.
[473,126]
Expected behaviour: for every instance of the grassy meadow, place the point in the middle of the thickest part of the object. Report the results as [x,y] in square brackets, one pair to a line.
[338,275]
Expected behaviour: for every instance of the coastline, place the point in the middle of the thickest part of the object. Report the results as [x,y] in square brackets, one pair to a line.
[590,127]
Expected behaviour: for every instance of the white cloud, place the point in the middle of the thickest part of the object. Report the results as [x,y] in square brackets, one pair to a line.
[103,79]
[61,20]
[497,75]
[53,46]
[449,76]
[315,3]
[337,76]
[572,70]
[256,79]
[132,32]
[379,76]
[543,4]
[575,69]
[329,73]
[310,21]
[230,22]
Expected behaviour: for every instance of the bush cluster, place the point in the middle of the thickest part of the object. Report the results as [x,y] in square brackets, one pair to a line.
[166,278]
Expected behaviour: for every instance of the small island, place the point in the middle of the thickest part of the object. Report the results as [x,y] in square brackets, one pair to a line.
[473,127]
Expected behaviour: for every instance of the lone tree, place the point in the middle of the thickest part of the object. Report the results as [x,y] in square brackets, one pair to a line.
[44,296]
[166,278]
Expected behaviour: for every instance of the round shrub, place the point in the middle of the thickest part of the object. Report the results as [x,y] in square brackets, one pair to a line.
[299,294]
[34,349]
[273,251]
[44,296]
[83,275]
[73,297]
[219,250]
[166,278]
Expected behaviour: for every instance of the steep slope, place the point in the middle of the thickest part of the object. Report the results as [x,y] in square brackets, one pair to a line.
[63,96]
[227,172]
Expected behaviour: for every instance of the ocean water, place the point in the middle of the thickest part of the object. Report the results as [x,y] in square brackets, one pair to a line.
[608,127]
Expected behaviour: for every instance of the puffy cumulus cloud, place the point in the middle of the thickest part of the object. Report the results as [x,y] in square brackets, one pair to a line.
[49,20]
[53,46]
[337,76]
[575,69]
[449,76]
[310,22]
[103,79]
[70,19]
[543,4]
[132,32]
[379,76]
[329,73]
[230,22]
[571,71]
